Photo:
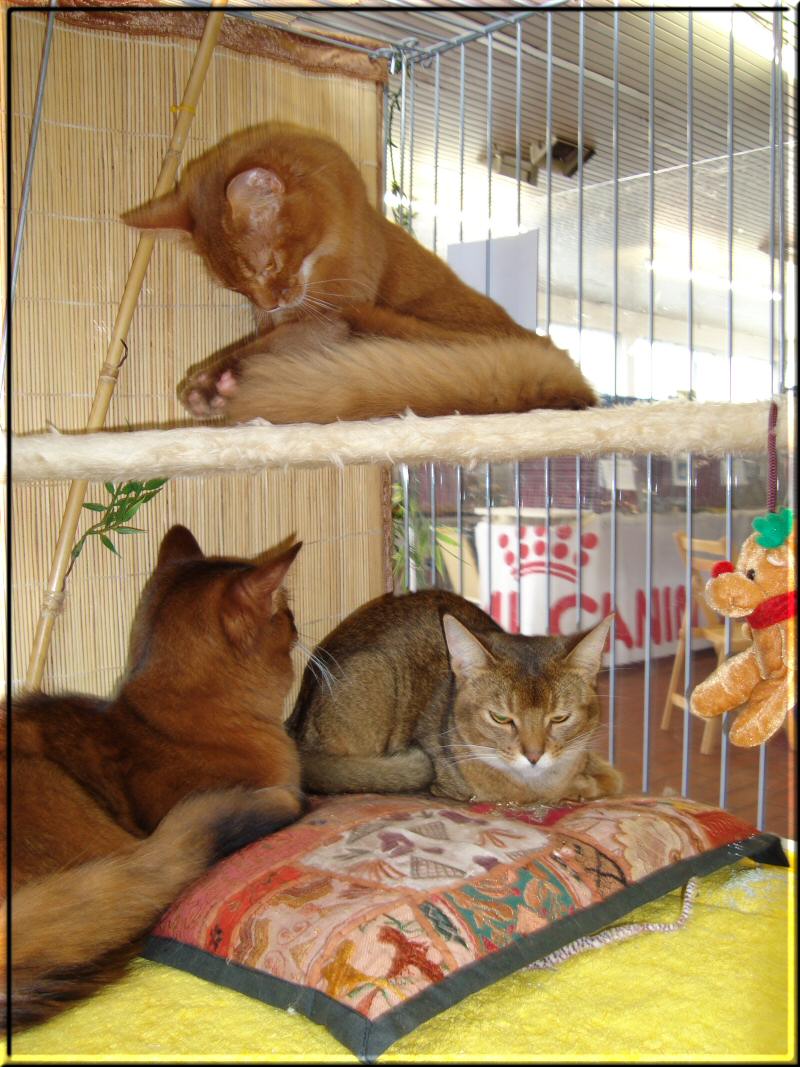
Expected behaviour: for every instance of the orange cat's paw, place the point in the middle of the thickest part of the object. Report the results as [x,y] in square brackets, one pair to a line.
[205,394]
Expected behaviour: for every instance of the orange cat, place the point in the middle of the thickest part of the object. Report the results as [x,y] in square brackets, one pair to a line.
[281,214]
[118,805]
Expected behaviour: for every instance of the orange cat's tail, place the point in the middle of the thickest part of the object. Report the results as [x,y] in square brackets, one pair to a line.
[372,377]
[75,931]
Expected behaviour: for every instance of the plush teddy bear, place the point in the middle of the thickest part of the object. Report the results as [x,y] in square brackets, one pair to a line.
[760,589]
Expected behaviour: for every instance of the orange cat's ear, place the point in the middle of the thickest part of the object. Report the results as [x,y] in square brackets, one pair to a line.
[587,655]
[169,215]
[255,195]
[249,596]
[178,545]
[467,654]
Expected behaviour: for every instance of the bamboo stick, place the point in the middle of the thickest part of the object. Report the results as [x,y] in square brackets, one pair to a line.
[109,371]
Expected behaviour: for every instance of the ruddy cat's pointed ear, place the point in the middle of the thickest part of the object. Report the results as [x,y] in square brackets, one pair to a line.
[178,545]
[467,654]
[169,215]
[587,655]
[249,597]
[255,195]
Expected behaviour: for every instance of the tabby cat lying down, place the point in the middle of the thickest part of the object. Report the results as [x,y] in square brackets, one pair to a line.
[119,805]
[358,319]
[427,692]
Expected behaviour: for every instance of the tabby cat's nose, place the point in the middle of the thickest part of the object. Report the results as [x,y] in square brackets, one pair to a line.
[533,757]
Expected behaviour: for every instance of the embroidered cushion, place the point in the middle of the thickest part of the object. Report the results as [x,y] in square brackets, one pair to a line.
[374,913]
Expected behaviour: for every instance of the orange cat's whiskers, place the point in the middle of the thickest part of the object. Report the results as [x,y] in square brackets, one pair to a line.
[309,302]
[309,306]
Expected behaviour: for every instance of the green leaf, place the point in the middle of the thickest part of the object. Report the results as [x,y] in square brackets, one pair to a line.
[110,487]
[127,529]
[132,487]
[77,548]
[131,509]
[95,507]
[155,483]
[109,544]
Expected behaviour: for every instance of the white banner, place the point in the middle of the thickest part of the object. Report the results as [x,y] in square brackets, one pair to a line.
[514,587]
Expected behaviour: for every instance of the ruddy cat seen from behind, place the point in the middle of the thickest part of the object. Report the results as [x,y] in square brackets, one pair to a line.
[119,804]
[427,692]
[281,214]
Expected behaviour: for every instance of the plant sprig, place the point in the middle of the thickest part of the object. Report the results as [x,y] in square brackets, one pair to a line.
[421,549]
[126,499]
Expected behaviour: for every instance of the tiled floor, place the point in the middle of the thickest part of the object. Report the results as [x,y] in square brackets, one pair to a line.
[666,751]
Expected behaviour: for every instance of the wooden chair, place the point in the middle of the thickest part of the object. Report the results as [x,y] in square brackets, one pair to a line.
[712,628]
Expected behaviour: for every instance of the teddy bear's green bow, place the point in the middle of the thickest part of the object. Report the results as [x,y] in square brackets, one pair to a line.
[773,529]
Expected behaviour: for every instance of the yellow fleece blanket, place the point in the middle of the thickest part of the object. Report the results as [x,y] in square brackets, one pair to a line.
[723,988]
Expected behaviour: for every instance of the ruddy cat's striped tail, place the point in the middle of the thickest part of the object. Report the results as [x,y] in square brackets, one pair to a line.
[286,381]
[75,931]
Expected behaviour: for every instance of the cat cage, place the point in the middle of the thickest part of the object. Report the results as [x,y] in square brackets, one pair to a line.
[618,179]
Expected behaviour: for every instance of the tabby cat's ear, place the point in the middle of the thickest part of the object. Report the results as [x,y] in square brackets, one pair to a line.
[467,654]
[249,596]
[178,545]
[587,655]
[255,195]
[169,215]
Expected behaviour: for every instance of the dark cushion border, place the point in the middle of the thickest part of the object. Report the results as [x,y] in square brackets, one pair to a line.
[368,1040]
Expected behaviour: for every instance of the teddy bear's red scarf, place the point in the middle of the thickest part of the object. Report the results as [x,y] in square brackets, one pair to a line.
[774,609]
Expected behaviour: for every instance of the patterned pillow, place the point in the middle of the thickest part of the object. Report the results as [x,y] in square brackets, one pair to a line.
[374,913]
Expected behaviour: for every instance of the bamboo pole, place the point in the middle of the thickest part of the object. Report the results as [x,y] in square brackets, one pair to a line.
[109,371]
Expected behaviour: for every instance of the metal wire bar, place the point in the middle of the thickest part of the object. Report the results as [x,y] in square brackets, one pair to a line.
[484,32]
[723,749]
[460,528]
[462,72]
[518,515]
[436,109]
[434,552]
[612,683]
[411,108]
[549,165]
[549,135]
[287,27]
[547,572]
[518,176]
[504,46]
[386,146]
[687,623]
[22,215]
[489,137]
[774,383]
[406,525]
[648,565]
[781,211]
[578,471]
[488,484]
[403,91]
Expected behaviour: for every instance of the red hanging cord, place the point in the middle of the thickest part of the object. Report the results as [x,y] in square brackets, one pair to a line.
[772,457]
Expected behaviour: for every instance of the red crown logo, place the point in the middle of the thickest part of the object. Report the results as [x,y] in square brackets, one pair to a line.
[533,552]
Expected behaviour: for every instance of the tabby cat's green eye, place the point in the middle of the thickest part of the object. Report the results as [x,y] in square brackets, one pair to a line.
[559,718]
[500,718]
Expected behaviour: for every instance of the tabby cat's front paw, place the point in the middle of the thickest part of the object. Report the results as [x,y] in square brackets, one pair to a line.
[206,393]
